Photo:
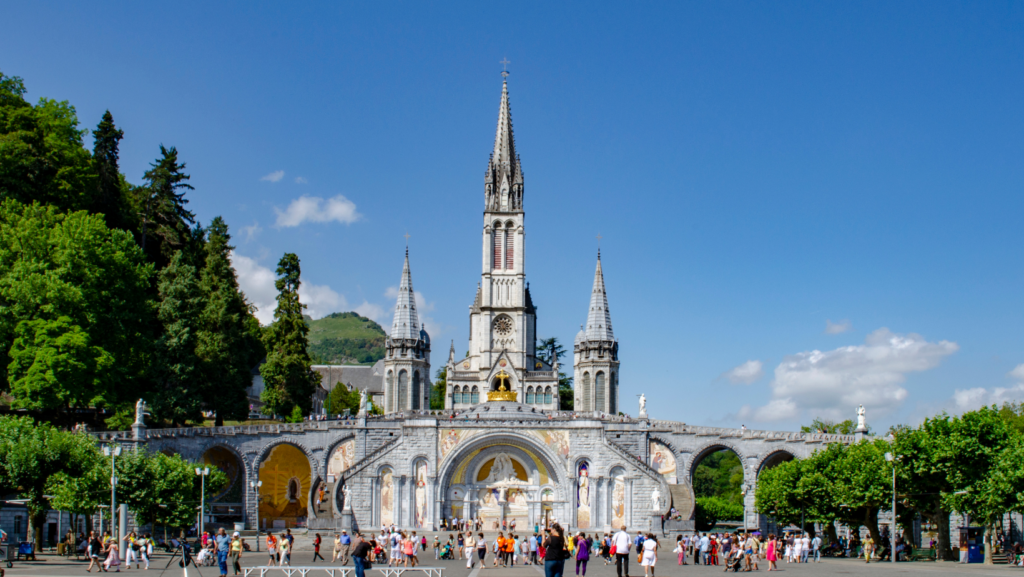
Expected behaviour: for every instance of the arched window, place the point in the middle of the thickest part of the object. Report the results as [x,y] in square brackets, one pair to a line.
[403,390]
[476,395]
[456,395]
[599,389]
[613,398]
[390,394]
[585,399]
[547,395]
[416,391]
[510,250]
[529,395]
[496,240]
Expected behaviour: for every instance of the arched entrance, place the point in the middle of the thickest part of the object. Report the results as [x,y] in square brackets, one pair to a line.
[718,473]
[226,507]
[502,478]
[284,495]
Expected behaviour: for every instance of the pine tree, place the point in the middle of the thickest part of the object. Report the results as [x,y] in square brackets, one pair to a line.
[178,368]
[165,220]
[109,199]
[288,380]
[342,399]
[226,347]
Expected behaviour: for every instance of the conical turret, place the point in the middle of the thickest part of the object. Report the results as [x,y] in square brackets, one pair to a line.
[406,324]
[599,319]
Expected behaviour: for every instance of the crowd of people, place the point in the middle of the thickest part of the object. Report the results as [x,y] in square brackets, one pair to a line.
[742,551]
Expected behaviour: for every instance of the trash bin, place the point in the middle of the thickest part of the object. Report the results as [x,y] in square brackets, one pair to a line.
[60,548]
[239,526]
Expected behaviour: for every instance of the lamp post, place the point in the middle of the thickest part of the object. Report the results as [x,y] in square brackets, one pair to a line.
[113,452]
[892,537]
[202,472]
[255,485]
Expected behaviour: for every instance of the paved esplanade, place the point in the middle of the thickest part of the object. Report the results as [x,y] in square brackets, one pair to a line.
[666,567]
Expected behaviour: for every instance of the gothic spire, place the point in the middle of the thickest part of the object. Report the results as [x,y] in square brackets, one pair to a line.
[407,323]
[451,353]
[599,319]
[504,178]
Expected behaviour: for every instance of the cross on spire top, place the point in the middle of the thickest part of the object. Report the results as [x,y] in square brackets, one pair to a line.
[504,67]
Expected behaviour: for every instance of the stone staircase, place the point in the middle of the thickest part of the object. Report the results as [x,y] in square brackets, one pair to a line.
[683,499]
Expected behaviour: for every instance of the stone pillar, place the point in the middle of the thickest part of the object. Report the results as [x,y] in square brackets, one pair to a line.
[629,502]
[401,514]
[433,504]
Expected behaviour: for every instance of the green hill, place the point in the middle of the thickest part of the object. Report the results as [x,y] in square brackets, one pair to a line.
[345,338]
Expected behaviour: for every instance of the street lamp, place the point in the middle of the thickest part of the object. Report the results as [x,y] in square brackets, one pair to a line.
[113,452]
[892,537]
[203,472]
[255,486]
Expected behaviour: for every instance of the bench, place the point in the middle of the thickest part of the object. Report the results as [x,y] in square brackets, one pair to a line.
[289,570]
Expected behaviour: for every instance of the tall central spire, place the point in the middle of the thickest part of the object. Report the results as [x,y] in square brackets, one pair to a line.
[406,324]
[503,180]
[599,319]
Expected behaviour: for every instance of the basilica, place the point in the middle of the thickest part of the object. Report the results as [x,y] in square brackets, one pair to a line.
[500,450]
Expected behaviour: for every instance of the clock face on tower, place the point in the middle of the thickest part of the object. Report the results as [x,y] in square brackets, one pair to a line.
[503,326]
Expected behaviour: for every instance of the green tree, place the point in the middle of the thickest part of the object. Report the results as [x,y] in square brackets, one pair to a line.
[110,197]
[42,157]
[288,380]
[846,427]
[720,474]
[76,321]
[862,482]
[439,390]
[225,344]
[178,369]
[165,220]
[342,399]
[1013,415]
[710,510]
[549,350]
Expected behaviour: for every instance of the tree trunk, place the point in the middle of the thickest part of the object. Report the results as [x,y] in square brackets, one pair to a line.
[941,519]
[871,522]
[988,544]
[833,537]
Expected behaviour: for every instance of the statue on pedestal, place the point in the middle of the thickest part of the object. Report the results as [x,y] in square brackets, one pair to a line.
[346,502]
[862,425]
[656,500]
[643,406]
[140,412]
[362,403]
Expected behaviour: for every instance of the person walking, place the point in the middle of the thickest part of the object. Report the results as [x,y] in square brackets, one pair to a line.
[556,553]
[649,557]
[582,553]
[146,549]
[533,548]
[93,549]
[470,545]
[316,548]
[272,549]
[816,547]
[773,553]
[869,545]
[805,547]
[620,543]
[337,548]
[481,550]
[286,550]
[680,550]
[223,546]
[359,556]
[113,557]
[235,552]
[411,560]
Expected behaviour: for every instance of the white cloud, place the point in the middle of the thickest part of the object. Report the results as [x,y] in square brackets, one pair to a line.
[315,209]
[747,373]
[830,384]
[251,231]
[300,180]
[274,176]
[374,312]
[964,400]
[832,328]
[257,282]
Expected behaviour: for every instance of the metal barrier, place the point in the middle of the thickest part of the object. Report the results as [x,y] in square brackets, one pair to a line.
[289,570]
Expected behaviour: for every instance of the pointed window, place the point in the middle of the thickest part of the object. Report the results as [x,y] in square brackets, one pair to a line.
[547,395]
[529,395]
[416,391]
[600,390]
[613,398]
[585,399]
[510,241]
[403,391]
[389,396]
[496,240]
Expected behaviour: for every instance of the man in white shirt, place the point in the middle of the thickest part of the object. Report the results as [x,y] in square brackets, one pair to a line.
[705,545]
[816,545]
[621,542]
[805,547]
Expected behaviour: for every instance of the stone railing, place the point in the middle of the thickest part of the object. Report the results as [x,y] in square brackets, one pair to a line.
[721,432]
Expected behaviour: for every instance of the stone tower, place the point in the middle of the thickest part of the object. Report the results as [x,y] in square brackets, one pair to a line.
[596,355]
[407,353]
[502,319]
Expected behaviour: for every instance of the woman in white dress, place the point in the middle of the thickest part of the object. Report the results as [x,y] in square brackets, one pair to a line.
[649,557]
[798,547]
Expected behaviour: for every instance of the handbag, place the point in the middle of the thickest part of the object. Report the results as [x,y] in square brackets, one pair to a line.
[612,550]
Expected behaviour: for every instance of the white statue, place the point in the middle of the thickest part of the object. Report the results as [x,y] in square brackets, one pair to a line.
[140,412]
[362,403]
[656,500]
[501,469]
[347,504]
[862,424]
[643,405]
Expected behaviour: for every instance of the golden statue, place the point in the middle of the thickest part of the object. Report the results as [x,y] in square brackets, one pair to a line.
[502,393]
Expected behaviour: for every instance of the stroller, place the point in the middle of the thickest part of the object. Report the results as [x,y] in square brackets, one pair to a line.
[378,555]
[446,552]
[734,561]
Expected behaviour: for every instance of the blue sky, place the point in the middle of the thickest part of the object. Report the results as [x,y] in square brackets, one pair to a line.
[804,206]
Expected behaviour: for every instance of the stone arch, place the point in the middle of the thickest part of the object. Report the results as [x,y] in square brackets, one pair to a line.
[713,447]
[773,458]
[585,396]
[420,496]
[237,473]
[617,499]
[387,500]
[329,450]
[403,391]
[280,469]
